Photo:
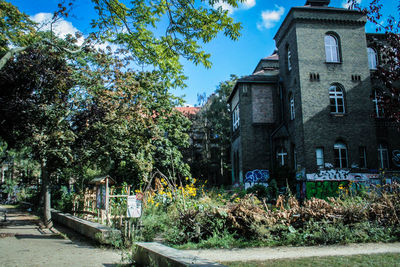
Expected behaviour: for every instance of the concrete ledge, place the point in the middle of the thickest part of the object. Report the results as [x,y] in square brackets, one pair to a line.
[156,254]
[95,231]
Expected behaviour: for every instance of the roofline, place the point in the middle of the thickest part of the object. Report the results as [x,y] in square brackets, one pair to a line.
[243,80]
[343,10]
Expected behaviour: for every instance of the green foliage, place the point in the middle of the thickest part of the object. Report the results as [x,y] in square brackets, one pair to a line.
[62,199]
[213,121]
[260,191]
[159,33]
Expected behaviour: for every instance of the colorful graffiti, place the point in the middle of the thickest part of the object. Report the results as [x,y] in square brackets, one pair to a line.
[396,157]
[256,177]
[340,175]
[325,189]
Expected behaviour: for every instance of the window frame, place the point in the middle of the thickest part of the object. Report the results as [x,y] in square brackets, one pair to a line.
[341,155]
[379,110]
[292,107]
[235,118]
[332,49]
[337,95]
[372,58]
[281,153]
[289,59]
[383,156]
[320,159]
[362,151]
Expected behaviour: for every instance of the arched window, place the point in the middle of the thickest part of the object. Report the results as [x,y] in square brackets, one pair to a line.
[336,98]
[340,151]
[372,58]
[383,156]
[292,111]
[281,156]
[331,48]
[378,102]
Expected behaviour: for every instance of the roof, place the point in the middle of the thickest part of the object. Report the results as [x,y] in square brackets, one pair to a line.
[188,111]
[272,57]
[266,77]
[101,180]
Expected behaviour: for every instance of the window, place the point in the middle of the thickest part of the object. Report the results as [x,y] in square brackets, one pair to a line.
[372,58]
[281,155]
[383,156]
[319,154]
[292,112]
[340,151]
[235,118]
[289,59]
[363,157]
[331,48]
[336,98]
[378,101]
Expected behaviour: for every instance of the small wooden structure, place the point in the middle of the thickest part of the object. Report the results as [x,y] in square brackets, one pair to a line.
[102,187]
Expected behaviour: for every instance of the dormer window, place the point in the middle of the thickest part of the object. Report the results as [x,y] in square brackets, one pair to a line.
[331,49]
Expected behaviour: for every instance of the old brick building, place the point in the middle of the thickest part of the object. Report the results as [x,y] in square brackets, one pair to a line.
[312,103]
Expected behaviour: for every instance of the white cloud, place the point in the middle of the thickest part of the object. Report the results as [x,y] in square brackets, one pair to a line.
[270,17]
[61,28]
[225,6]
[247,4]
[345,3]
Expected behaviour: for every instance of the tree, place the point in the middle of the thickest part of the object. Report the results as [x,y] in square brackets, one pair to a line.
[388,46]
[35,93]
[214,122]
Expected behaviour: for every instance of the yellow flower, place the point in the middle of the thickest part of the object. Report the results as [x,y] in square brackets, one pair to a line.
[157,204]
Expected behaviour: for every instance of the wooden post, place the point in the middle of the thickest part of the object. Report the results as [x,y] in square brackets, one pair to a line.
[107,202]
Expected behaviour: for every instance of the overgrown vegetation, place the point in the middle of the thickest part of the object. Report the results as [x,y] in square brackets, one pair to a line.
[190,217]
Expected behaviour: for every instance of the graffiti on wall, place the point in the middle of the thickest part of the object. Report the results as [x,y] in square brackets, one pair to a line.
[256,177]
[325,189]
[396,157]
[340,175]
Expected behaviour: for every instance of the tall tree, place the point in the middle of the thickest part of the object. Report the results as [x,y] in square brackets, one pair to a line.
[35,93]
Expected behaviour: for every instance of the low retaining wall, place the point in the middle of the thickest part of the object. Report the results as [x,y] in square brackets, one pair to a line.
[95,231]
[156,254]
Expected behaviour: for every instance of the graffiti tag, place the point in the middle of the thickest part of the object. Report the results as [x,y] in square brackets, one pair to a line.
[396,157]
[256,177]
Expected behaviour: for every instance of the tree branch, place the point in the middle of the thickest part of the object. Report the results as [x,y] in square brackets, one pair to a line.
[9,54]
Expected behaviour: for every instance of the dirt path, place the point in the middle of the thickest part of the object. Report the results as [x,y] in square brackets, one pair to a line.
[23,243]
[261,254]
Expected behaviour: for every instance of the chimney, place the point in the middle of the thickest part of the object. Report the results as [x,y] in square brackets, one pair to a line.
[317,2]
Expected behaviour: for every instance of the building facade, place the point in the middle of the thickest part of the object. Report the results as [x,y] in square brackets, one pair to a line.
[312,105]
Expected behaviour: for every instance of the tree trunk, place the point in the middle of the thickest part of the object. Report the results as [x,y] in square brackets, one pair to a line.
[46,195]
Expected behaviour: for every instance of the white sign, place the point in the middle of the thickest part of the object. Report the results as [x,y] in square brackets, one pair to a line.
[134,207]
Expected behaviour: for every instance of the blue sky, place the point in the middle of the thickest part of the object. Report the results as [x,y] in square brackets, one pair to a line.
[260,20]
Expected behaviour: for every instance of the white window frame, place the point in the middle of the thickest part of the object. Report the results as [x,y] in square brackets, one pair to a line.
[289,59]
[331,48]
[319,155]
[235,118]
[379,111]
[363,156]
[341,150]
[336,95]
[292,110]
[372,58]
[280,155]
[383,156]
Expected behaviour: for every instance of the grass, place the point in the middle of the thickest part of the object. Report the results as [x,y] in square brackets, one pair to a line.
[385,259]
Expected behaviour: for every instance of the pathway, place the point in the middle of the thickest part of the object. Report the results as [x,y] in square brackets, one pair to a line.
[262,254]
[23,243]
